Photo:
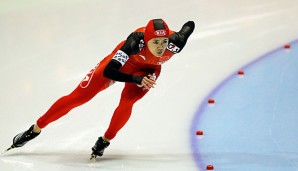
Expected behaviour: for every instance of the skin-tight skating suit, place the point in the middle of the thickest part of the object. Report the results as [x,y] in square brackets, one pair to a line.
[129,59]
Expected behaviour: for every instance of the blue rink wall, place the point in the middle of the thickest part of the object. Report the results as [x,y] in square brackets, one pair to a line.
[254,122]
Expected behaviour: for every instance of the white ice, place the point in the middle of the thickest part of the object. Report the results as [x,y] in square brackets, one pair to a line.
[46,48]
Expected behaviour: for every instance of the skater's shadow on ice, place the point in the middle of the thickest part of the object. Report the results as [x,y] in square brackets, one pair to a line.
[50,157]
[82,158]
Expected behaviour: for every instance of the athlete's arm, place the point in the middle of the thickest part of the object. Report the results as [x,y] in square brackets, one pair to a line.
[179,39]
[131,46]
[112,71]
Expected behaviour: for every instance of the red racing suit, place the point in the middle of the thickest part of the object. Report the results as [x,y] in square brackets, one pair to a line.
[137,61]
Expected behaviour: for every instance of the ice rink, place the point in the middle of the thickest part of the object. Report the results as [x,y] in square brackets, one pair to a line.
[47,47]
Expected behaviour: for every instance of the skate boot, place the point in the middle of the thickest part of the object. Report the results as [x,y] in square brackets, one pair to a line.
[22,138]
[99,147]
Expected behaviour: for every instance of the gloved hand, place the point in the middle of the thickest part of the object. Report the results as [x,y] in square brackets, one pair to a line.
[147,81]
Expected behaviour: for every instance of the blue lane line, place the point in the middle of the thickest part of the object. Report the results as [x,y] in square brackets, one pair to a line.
[203,105]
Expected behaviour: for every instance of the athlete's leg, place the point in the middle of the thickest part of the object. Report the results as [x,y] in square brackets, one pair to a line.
[130,94]
[93,83]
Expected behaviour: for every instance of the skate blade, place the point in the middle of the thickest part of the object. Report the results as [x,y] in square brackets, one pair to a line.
[11,147]
[93,157]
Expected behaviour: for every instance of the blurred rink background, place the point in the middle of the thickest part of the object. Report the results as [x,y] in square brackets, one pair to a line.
[47,47]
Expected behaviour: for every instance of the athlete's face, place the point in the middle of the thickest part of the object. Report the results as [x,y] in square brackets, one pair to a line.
[157,46]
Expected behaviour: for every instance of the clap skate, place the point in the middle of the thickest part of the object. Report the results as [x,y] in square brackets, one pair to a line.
[99,147]
[22,138]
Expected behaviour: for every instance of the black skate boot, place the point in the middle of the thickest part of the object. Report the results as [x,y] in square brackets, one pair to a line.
[22,138]
[99,147]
